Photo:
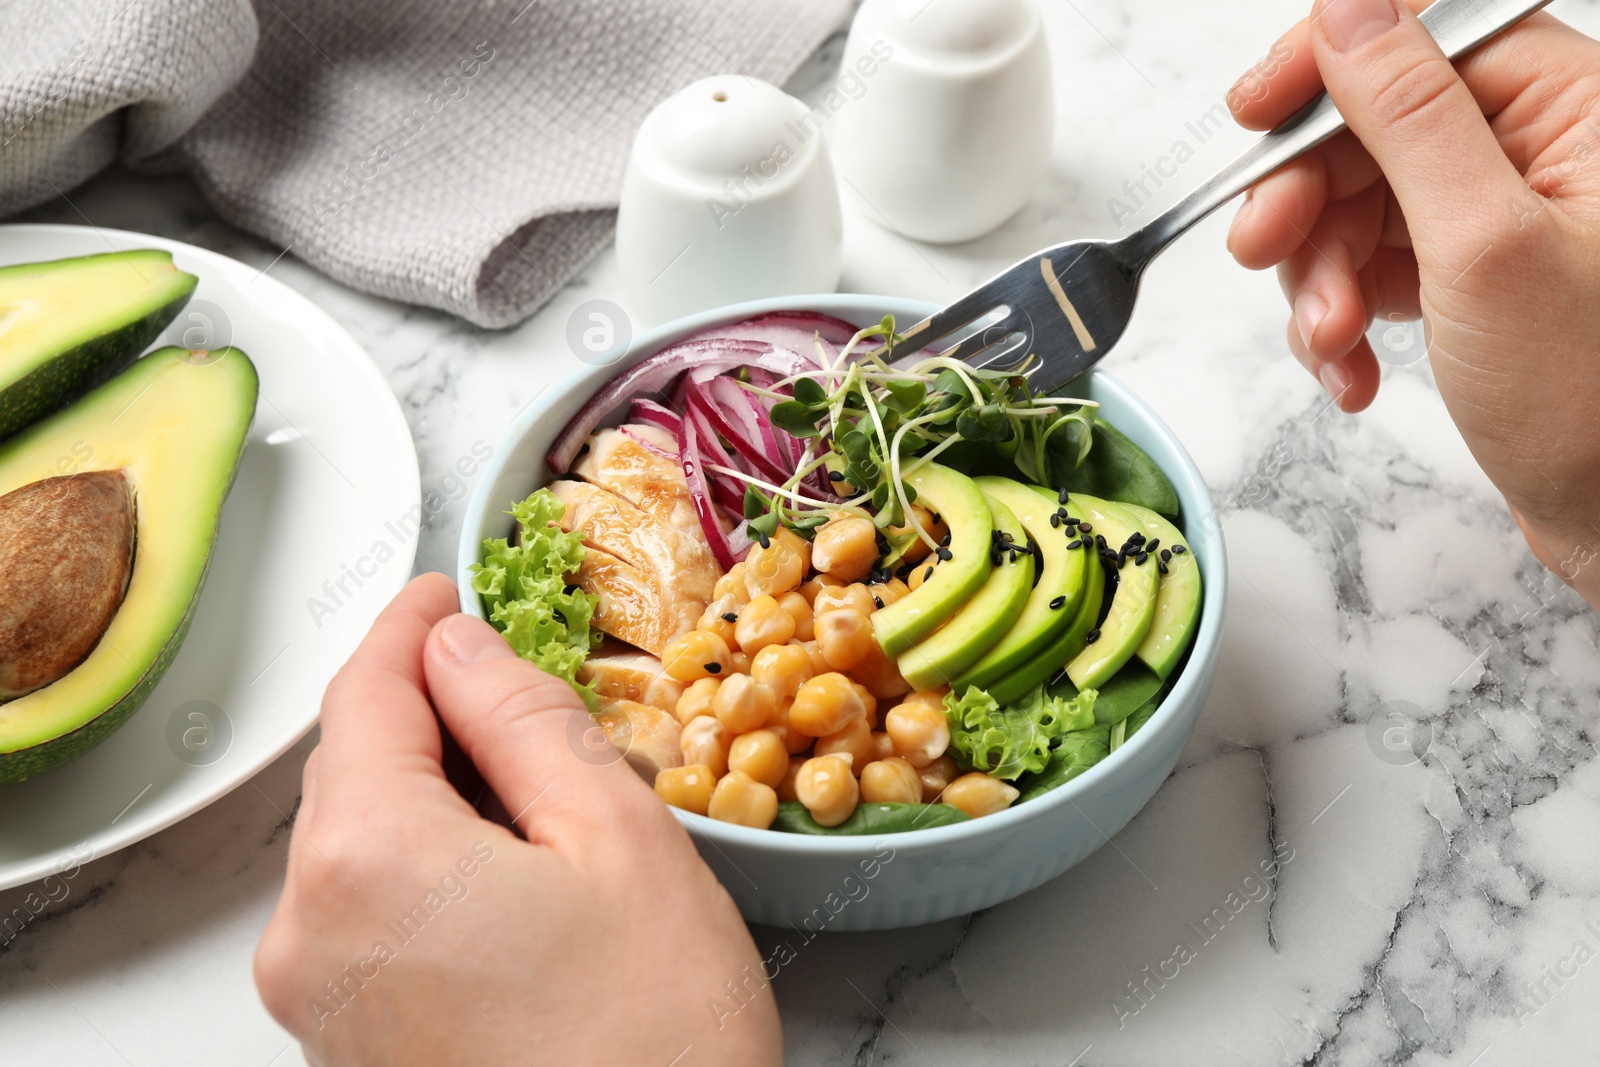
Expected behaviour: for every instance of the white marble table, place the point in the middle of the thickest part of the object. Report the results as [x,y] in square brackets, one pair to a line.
[1432,911]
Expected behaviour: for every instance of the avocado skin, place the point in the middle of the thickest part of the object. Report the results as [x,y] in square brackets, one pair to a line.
[25,763]
[65,378]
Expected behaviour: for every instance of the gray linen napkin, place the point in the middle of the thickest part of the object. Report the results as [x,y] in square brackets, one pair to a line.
[466,156]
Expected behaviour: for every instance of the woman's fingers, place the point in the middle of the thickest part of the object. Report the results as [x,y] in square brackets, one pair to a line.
[1351,380]
[1321,278]
[1279,84]
[528,733]
[1277,213]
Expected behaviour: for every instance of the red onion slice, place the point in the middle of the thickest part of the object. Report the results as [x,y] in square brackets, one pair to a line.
[710,525]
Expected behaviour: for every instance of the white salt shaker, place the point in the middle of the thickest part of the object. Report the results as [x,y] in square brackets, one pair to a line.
[952,131]
[729,196]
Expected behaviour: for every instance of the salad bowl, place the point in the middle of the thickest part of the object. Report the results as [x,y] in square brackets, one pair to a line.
[836,883]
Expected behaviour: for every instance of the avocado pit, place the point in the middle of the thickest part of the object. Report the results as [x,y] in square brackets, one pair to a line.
[66,554]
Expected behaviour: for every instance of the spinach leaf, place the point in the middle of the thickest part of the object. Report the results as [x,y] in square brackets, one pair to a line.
[1115,469]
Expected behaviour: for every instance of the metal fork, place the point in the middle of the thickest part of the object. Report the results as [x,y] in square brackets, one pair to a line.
[1071,303]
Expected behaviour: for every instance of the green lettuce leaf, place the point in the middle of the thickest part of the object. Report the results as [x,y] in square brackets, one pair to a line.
[525,592]
[1015,740]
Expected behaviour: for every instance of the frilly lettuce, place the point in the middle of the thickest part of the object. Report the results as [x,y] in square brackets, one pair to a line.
[525,592]
[1011,741]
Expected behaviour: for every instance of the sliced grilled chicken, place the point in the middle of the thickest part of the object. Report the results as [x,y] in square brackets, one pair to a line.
[682,566]
[622,461]
[620,673]
[629,604]
[647,737]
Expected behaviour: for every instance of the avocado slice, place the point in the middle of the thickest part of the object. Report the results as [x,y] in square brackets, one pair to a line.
[953,497]
[985,619]
[1133,606]
[68,324]
[1049,660]
[1177,597]
[175,425]
[1061,582]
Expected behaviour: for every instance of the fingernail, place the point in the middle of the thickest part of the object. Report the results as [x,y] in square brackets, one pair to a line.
[1309,309]
[1246,206]
[1349,24]
[471,640]
[1335,379]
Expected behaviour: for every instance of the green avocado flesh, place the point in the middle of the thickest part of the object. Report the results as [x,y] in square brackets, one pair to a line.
[1177,598]
[986,618]
[175,423]
[67,324]
[954,498]
[1061,578]
[1067,643]
[1133,605]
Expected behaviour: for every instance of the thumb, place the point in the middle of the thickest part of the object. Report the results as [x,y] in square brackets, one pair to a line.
[531,737]
[1414,114]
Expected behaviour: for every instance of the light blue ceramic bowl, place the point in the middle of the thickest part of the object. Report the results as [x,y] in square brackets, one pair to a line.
[821,884]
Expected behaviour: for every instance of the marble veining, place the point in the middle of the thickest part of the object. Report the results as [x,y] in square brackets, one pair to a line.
[1381,846]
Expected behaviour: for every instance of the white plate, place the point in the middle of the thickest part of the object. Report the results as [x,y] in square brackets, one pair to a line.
[328,484]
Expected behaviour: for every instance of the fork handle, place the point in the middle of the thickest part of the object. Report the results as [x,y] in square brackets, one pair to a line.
[1457,25]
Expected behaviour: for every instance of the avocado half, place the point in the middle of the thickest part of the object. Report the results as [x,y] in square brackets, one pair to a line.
[68,324]
[175,424]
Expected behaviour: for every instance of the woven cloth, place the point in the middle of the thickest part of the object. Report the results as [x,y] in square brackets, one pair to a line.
[465,156]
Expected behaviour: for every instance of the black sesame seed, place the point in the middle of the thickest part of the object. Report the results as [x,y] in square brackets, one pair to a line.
[1178,550]
[945,540]
[1099,539]
[943,552]
[1058,603]
[836,476]
[1072,520]
[927,574]
[1153,544]
[1138,561]
[1136,537]
[1076,543]
[937,521]
[1055,520]
[995,556]
[1085,527]
[1062,496]
[713,668]
[730,616]
[763,540]
[1092,636]
[1166,554]
[878,600]
[1161,566]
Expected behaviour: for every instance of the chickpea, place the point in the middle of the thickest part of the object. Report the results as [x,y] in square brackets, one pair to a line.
[741,799]
[846,547]
[688,788]
[696,700]
[812,586]
[786,787]
[934,698]
[870,702]
[853,597]
[920,733]
[819,662]
[882,746]
[920,573]
[731,584]
[793,740]
[763,622]
[697,654]
[918,549]
[828,789]
[890,781]
[825,705]
[739,662]
[978,795]
[845,638]
[855,740]
[798,545]
[883,594]
[743,704]
[772,570]
[799,610]
[715,619]
[664,692]
[706,741]
[879,674]
[782,668]
[936,777]
[761,755]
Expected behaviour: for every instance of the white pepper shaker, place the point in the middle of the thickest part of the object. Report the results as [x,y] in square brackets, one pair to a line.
[952,131]
[729,196]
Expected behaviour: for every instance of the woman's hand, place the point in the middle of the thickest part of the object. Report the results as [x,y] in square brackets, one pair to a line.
[1486,227]
[413,931]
